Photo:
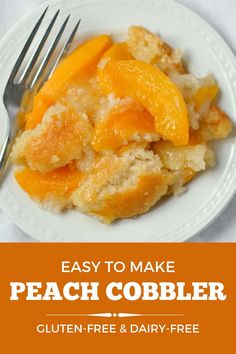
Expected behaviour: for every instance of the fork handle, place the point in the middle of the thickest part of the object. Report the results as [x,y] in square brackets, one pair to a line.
[5,149]
[4,154]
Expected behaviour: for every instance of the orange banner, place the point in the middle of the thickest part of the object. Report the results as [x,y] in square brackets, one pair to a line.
[64,298]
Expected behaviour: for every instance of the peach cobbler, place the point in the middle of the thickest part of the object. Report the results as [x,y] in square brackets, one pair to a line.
[117,127]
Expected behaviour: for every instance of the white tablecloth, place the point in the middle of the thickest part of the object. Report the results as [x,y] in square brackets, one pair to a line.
[222,15]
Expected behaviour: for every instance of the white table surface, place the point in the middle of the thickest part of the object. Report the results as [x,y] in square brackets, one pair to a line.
[222,15]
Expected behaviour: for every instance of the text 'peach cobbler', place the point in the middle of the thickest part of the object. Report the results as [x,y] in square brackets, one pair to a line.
[117,127]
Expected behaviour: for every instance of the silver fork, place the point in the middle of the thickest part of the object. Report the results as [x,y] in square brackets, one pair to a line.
[15,92]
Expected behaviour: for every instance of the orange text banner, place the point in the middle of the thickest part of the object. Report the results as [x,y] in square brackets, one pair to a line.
[108,298]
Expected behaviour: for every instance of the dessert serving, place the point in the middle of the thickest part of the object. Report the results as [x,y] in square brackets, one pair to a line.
[117,127]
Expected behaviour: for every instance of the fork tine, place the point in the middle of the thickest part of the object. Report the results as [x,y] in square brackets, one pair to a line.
[38,50]
[64,50]
[48,55]
[26,47]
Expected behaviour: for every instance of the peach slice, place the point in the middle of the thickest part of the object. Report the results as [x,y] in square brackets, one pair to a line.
[150,87]
[205,94]
[116,52]
[123,125]
[57,184]
[85,57]
[188,175]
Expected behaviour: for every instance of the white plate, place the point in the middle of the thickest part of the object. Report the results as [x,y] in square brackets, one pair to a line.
[175,219]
